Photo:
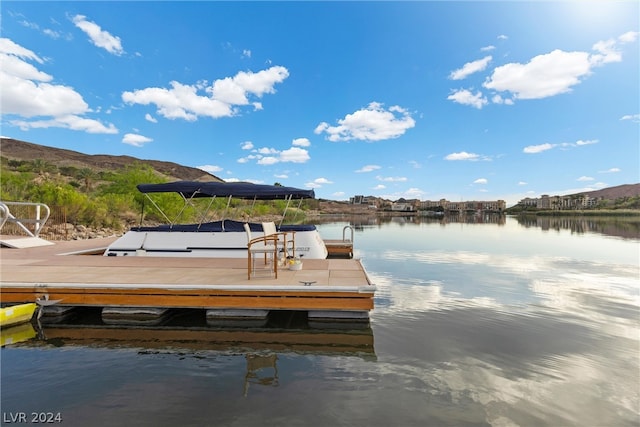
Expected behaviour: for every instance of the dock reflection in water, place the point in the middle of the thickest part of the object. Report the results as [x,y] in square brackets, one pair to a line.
[184,333]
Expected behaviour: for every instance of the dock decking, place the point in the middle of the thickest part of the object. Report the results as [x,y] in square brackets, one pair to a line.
[59,273]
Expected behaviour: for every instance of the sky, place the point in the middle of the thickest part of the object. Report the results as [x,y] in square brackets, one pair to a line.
[417,100]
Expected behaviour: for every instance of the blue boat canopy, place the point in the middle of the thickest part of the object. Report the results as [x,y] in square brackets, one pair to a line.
[241,190]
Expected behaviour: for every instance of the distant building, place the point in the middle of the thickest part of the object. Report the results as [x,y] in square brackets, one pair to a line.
[433,205]
[402,207]
[546,202]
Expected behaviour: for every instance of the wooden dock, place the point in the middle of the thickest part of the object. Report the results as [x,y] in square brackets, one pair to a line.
[65,272]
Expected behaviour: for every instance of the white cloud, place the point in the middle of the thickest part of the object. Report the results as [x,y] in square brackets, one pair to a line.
[379,187]
[629,37]
[372,123]
[246,53]
[533,149]
[556,72]
[135,139]
[71,121]
[465,97]
[322,181]
[301,142]
[502,37]
[234,90]
[210,168]
[51,33]
[470,68]
[414,193]
[498,99]
[247,145]
[632,117]
[148,117]
[612,170]
[543,76]
[268,160]
[463,155]
[588,142]
[318,183]
[368,168]
[98,37]
[480,181]
[487,48]
[606,52]
[411,193]
[186,101]
[391,178]
[585,178]
[179,102]
[253,181]
[271,156]
[522,183]
[266,150]
[295,155]
[27,92]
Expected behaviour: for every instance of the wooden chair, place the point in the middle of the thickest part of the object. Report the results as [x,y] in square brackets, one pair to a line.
[265,245]
[286,239]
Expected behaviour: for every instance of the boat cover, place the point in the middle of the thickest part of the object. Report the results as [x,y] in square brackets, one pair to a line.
[241,190]
[227,225]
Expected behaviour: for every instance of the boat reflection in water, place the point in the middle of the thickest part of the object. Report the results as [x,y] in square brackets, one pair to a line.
[17,334]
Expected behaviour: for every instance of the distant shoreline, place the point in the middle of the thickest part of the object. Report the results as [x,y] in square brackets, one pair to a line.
[596,212]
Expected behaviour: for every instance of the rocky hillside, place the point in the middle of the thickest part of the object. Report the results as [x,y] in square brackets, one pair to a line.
[613,193]
[13,149]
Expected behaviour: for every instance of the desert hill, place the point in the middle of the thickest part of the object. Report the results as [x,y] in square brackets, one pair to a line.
[13,149]
[613,193]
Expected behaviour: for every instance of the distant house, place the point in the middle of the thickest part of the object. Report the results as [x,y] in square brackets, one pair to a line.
[402,207]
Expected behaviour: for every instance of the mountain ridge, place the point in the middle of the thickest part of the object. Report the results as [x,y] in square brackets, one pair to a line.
[14,149]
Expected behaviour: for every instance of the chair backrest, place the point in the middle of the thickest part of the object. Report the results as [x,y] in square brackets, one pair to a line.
[247,229]
[269,228]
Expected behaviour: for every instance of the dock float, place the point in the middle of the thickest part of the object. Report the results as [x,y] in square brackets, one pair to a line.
[63,272]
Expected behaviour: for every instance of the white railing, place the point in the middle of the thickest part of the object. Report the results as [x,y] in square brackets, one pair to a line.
[344,233]
[33,215]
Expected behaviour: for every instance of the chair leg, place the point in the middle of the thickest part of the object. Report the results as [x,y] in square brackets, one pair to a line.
[249,261]
[275,261]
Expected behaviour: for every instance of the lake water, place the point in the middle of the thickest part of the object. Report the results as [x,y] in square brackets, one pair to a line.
[482,321]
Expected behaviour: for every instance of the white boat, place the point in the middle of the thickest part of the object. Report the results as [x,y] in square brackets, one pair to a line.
[224,238]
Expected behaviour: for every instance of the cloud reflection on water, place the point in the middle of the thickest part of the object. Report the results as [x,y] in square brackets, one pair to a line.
[569,357]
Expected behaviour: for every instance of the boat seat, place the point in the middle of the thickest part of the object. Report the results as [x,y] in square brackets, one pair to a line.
[263,245]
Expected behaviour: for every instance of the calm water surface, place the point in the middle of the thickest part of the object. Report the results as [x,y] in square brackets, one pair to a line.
[481,322]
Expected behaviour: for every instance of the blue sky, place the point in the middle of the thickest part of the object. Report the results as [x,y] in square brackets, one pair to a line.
[427,100]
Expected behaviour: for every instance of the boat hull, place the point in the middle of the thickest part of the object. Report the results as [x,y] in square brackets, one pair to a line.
[228,244]
[17,314]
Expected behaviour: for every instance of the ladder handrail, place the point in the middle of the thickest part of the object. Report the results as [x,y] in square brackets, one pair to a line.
[39,222]
[344,231]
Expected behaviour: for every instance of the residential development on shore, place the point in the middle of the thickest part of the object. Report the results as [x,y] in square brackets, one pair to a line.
[574,201]
[442,205]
